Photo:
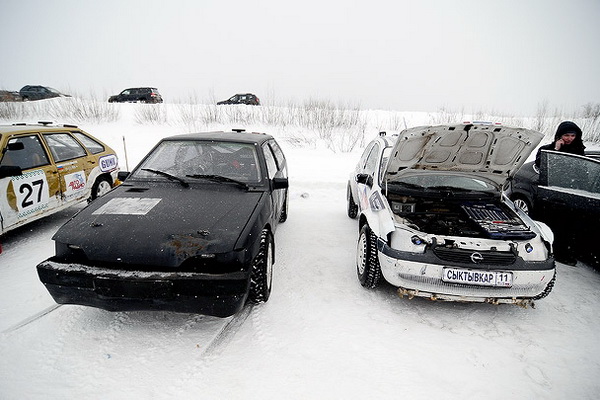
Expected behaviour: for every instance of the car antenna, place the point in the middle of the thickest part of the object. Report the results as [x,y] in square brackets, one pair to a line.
[238,130]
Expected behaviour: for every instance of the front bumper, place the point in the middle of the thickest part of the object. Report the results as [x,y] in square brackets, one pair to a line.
[421,275]
[219,295]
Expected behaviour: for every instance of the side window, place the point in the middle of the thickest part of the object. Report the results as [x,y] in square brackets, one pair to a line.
[365,154]
[63,146]
[384,161]
[576,173]
[279,157]
[93,146]
[270,159]
[30,155]
[372,159]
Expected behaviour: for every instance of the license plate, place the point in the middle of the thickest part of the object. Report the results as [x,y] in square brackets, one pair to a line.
[479,278]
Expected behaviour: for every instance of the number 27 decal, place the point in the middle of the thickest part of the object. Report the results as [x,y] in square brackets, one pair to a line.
[33,192]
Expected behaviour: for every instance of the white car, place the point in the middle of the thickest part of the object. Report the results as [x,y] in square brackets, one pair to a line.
[434,222]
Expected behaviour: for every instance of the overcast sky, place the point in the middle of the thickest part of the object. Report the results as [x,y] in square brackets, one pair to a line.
[508,56]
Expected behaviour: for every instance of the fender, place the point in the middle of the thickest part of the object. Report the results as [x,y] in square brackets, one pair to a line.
[379,215]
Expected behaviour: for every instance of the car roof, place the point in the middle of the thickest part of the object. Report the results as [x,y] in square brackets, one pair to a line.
[241,137]
[39,127]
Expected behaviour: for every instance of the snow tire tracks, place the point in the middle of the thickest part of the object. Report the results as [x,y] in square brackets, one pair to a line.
[33,318]
[196,370]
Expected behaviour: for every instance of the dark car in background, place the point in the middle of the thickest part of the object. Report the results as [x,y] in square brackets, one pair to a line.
[522,189]
[36,92]
[191,229]
[135,95]
[245,98]
[568,200]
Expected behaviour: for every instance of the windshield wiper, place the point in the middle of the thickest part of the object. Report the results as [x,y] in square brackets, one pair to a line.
[219,178]
[166,174]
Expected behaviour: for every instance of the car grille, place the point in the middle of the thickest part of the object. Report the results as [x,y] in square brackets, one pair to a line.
[466,256]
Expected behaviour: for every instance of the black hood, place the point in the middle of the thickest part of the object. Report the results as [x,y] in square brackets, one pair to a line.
[160,225]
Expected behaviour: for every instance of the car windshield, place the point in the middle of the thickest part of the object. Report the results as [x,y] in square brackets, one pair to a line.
[445,182]
[185,159]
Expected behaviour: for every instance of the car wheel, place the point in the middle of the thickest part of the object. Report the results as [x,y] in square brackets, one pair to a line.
[284,209]
[352,207]
[261,275]
[101,187]
[522,204]
[367,262]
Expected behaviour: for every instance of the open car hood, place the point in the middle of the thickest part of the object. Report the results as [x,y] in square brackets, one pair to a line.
[493,151]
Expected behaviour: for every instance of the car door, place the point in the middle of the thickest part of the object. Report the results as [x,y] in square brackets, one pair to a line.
[274,171]
[72,164]
[33,193]
[568,199]
[367,177]
[282,172]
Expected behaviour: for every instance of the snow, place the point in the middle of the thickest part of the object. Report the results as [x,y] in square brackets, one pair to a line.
[320,336]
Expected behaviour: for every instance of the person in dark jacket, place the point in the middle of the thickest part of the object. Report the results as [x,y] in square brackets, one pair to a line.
[567,139]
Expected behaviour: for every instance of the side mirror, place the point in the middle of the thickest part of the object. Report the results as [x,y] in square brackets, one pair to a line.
[10,170]
[122,175]
[365,179]
[280,183]
[15,146]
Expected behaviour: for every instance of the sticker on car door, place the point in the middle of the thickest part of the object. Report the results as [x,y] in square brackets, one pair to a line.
[31,191]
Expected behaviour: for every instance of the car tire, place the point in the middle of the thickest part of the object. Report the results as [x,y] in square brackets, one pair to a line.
[261,275]
[367,262]
[352,207]
[284,209]
[522,204]
[100,187]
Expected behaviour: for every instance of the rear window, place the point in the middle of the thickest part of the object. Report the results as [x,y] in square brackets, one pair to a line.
[93,146]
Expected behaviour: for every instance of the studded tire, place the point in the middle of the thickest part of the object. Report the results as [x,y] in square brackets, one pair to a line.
[284,209]
[261,276]
[100,187]
[367,262]
[352,207]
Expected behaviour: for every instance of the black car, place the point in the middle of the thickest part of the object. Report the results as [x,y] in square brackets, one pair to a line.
[36,92]
[568,200]
[523,187]
[142,95]
[245,98]
[191,229]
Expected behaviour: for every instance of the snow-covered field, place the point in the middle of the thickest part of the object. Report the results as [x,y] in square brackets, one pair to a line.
[320,336]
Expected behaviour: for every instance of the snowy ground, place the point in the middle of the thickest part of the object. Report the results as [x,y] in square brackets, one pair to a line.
[320,336]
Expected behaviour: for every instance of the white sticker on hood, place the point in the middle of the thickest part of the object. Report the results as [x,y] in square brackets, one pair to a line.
[128,206]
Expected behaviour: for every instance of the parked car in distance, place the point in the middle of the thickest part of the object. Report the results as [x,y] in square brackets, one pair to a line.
[568,200]
[245,98]
[191,229]
[522,188]
[45,168]
[7,95]
[37,92]
[141,95]
[434,223]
